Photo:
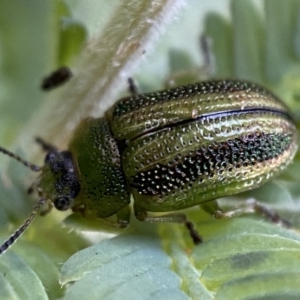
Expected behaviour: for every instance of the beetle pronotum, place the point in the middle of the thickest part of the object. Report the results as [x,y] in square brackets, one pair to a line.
[171,150]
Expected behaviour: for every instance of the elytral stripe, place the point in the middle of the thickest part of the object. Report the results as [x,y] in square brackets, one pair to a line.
[230,113]
[137,115]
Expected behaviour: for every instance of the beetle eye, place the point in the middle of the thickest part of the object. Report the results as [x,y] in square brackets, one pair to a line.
[62,203]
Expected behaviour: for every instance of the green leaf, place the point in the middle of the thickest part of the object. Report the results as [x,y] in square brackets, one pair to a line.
[267,286]
[138,270]
[22,41]
[19,281]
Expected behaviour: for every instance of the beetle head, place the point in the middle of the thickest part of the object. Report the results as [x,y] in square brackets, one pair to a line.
[58,181]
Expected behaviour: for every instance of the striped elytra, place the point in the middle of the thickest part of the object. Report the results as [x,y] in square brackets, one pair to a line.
[209,140]
[171,150]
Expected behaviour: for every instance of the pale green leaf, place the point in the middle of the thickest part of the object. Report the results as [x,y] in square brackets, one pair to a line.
[19,280]
[138,270]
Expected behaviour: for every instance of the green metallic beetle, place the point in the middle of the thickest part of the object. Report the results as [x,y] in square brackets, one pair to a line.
[171,150]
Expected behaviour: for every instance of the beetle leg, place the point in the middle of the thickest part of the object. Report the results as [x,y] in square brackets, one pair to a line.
[251,207]
[142,215]
[123,217]
[120,223]
[132,87]
[211,207]
[45,146]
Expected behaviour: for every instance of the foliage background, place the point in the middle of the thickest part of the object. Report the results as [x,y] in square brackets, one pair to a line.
[241,258]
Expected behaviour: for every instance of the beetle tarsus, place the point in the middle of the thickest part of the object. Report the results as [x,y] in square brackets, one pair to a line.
[196,237]
[270,214]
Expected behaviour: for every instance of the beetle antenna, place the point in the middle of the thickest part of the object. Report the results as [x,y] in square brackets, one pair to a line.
[24,162]
[13,238]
